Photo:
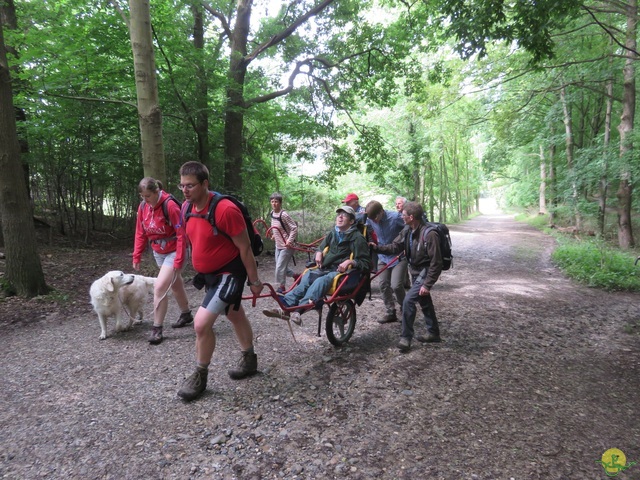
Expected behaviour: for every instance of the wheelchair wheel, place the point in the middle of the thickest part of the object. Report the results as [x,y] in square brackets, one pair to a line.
[341,322]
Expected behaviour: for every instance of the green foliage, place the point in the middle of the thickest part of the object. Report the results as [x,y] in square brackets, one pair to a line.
[596,265]
[475,24]
[538,221]
[6,289]
[414,122]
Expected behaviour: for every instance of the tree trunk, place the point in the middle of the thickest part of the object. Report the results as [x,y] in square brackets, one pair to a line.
[149,114]
[10,21]
[542,207]
[604,178]
[234,119]
[551,179]
[23,268]
[202,113]
[625,190]
[568,127]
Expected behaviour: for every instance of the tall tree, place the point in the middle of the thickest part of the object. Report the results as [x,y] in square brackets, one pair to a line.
[202,111]
[239,60]
[24,271]
[625,189]
[149,112]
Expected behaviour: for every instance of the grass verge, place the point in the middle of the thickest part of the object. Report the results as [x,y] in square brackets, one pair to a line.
[591,261]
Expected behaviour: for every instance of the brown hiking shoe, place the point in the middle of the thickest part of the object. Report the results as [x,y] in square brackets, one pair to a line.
[248,366]
[389,318]
[156,335]
[276,313]
[404,345]
[194,385]
[184,320]
[431,338]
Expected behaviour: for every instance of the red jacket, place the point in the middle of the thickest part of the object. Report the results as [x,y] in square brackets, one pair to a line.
[152,226]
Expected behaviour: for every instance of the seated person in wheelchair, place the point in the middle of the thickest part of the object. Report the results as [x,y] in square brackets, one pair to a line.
[346,249]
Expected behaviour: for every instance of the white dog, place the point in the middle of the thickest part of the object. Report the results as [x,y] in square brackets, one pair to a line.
[117,291]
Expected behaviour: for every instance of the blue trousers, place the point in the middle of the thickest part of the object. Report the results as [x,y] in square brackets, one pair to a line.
[409,310]
[312,287]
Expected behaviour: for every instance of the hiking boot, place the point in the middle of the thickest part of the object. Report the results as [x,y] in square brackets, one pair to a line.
[389,318]
[156,335]
[194,385]
[276,313]
[184,320]
[248,366]
[404,345]
[431,338]
[296,318]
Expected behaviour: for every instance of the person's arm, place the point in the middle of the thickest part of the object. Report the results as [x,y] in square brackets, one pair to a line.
[435,261]
[175,215]
[243,243]
[361,258]
[140,240]
[292,228]
[395,247]
[230,221]
[326,241]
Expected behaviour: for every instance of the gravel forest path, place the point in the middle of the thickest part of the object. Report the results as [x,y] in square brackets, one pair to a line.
[536,378]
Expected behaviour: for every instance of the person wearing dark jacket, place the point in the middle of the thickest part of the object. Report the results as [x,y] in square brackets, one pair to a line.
[422,250]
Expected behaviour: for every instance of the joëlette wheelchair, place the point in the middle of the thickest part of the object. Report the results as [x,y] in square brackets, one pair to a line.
[347,291]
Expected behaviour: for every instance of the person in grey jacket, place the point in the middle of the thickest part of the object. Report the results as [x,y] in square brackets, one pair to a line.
[422,249]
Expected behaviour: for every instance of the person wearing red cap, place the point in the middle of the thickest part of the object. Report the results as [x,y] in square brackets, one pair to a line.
[352,200]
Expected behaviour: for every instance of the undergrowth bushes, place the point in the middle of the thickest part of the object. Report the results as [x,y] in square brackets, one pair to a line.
[597,265]
[592,261]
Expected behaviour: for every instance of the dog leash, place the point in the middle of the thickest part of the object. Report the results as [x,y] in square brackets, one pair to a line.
[291,330]
[173,280]
[125,308]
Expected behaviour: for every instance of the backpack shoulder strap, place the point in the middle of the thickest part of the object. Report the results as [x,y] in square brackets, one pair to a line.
[185,210]
[211,213]
[165,206]
[279,218]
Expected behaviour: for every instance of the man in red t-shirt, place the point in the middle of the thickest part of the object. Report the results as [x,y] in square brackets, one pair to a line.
[224,258]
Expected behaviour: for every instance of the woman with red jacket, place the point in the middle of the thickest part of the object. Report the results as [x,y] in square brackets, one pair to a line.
[159,225]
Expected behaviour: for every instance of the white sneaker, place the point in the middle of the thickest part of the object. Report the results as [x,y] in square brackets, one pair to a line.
[296,318]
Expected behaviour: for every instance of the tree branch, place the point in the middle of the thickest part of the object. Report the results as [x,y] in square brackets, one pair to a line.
[116,5]
[321,61]
[90,99]
[279,37]
[611,35]
[173,82]
[223,21]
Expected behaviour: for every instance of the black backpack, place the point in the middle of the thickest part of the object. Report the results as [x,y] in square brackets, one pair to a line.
[256,240]
[445,243]
[165,208]
[279,218]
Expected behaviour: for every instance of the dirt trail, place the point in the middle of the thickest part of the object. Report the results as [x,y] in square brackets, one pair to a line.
[536,379]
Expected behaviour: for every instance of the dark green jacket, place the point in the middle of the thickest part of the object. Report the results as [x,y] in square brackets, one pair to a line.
[339,251]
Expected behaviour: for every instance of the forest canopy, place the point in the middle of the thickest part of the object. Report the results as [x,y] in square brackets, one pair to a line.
[441,102]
